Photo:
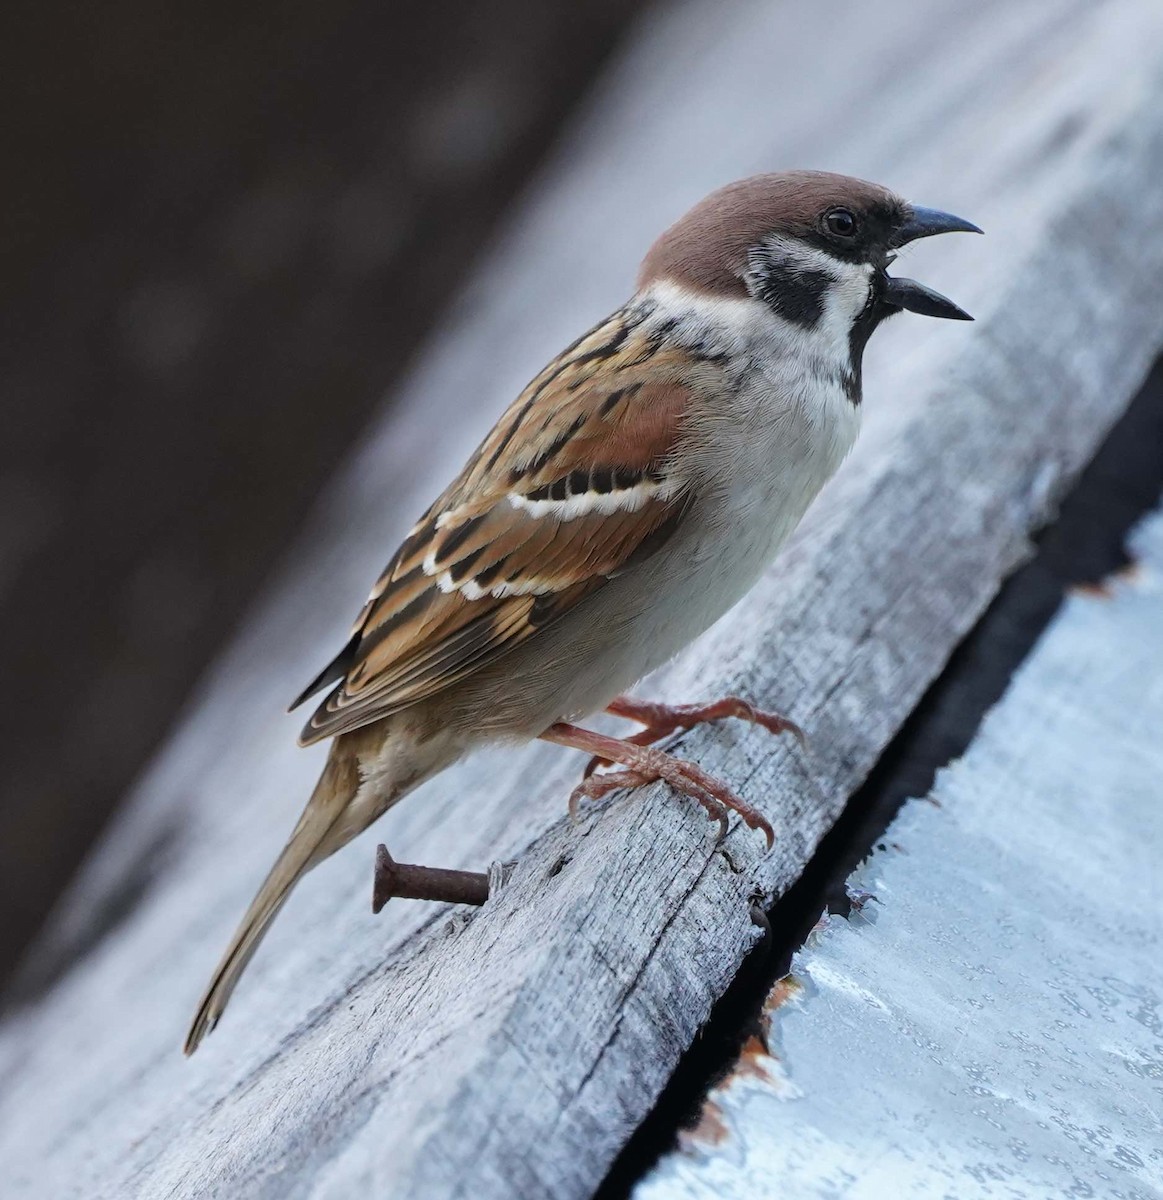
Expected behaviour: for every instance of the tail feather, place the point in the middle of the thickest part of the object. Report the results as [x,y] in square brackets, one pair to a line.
[308,845]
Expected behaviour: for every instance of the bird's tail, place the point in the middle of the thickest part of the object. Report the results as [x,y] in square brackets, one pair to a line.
[309,844]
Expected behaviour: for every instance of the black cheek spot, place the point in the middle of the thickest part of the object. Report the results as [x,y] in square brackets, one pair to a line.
[797,296]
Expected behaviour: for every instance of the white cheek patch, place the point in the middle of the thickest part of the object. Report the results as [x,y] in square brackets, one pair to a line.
[844,301]
[848,296]
[845,295]
[850,283]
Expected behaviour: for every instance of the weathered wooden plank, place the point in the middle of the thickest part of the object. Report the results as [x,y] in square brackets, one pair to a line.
[989,1023]
[513,1054]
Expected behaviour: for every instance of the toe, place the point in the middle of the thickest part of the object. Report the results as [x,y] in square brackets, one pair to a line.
[774,723]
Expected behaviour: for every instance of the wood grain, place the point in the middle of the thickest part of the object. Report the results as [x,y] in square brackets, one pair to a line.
[511,1051]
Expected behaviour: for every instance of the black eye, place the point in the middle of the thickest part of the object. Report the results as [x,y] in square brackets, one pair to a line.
[840,222]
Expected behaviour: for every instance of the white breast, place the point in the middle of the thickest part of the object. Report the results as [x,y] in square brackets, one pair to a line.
[769,443]
[781,428]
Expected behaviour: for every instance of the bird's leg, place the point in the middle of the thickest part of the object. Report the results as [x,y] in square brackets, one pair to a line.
[661,720]
[645,764]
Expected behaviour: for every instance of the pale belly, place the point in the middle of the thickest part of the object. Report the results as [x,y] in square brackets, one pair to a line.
[780,434]
[680,594]
[642,619]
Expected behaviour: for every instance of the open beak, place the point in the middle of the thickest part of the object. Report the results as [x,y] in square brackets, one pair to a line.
[908,293]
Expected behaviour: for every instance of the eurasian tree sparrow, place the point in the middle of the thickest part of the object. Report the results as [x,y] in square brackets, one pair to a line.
[632,493]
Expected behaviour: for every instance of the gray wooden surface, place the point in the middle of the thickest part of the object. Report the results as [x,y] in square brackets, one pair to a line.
[989,1024]
[510,1052]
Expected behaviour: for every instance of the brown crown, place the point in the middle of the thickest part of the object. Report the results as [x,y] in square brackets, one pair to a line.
[707,249]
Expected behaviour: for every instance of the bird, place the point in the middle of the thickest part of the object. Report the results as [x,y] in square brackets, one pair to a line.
[632,493]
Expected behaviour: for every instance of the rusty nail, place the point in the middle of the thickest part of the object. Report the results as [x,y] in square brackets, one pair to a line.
[410,882]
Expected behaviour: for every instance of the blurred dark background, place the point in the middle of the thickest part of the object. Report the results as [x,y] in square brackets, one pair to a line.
[223,231]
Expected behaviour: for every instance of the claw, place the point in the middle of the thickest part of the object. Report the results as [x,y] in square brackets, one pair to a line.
[595,789]
[721,795]
[645,764]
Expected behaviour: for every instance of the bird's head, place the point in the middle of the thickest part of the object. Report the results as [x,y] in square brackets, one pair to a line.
[812,246]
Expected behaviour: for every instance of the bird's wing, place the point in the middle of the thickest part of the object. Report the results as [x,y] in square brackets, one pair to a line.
[578,481]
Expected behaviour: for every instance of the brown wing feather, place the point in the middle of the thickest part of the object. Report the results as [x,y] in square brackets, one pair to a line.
[576,482]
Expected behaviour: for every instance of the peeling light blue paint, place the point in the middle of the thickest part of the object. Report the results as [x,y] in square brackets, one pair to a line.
[991,1024]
